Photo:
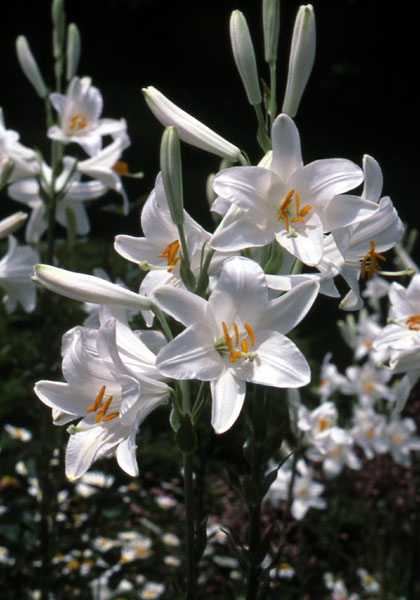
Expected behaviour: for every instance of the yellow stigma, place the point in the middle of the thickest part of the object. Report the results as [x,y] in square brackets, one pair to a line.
[234,351]
[101,408]
[78,122]
[282,212]
[370,262]
[120,167]
[171,254]
[413,323]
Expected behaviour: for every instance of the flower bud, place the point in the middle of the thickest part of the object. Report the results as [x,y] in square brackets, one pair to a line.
[29,66]
[59,23]
[244,55]
[12,223]
[189,129]
[271,28]
[302,55]
[88,288]
[170,165]
[72,51]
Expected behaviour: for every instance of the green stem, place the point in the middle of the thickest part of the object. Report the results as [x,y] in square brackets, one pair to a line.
[189,528]
[254,530]
[163,322]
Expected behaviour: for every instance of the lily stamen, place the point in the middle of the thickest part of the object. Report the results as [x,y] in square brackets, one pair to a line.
[413,323]
[300,213]
[101,416]
[370,264]
[98,401]
[171,254]
[78,122]
[234,354]
[121,168]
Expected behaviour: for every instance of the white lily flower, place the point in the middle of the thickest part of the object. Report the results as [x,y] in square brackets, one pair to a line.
[112,385]
[335,450]
[236,336]
[79,111]
[189,129]
[330,379]
[368,383]
[363,243]
[75,193]
[401,338]
[401,439]
[12,151]
[305,493]
[104,166]
[11,224]
[368,431]
[316,423]
[88,288]
[291,203]
[15,276]
[160,249]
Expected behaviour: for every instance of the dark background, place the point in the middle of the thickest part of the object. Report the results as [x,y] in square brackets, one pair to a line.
[362,95]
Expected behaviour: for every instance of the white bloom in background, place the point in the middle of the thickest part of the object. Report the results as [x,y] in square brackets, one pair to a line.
[16,268]
[335,450]
[291,203]
[72,193]
[330,378]
[11,224]
[368,431]
[368,383]
[79,117]
[316,423]
[12,151]
[189,129]
[401,439]
[112,385]
[369,584]
[361,334]
[306,492]
[18,433]
[152,590]
[236,336]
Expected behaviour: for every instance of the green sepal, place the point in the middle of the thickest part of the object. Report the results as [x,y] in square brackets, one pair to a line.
[174,419]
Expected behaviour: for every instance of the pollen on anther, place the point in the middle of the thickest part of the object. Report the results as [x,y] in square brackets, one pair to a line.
[250,333]
[98,401]
[235,328]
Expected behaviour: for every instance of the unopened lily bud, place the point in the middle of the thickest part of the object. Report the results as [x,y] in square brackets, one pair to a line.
[73,51]
[244,55]
[302,55]
[88,288]
[170,165]
[59,24]
[11,224]
[30,67]
[189,129]
[271,28]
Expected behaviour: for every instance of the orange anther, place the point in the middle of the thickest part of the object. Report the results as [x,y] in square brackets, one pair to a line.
[98,401]
[235,328]
[413,323]
[250,333]
[370,264]
[170,253]
[120,167]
